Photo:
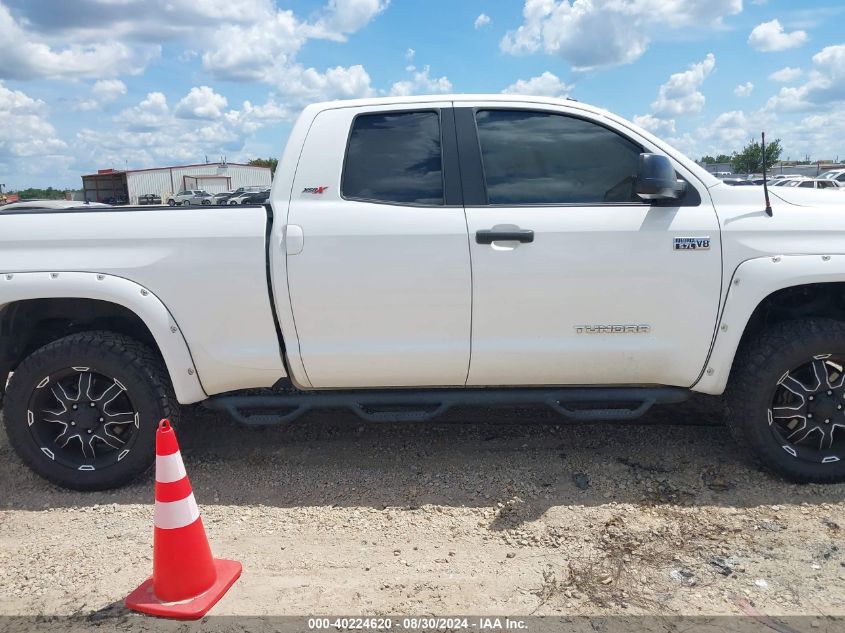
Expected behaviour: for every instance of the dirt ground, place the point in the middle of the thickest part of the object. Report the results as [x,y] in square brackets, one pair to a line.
[503,512]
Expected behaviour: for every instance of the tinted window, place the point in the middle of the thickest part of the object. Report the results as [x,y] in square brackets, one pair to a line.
[395,158]
[534,157]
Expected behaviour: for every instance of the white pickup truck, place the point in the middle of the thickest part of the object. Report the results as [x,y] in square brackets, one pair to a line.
[419,253]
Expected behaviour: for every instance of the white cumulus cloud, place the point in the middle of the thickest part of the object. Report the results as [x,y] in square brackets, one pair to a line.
[482,20]
[201,103]
[744,90]
[770,37]
[421,83]
[680,95]
[786,75]
[656,125]
[824,87]
[600,33]
[27,138]
[546,84]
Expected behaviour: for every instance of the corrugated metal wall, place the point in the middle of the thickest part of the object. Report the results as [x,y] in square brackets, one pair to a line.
[213,178]
[139,183]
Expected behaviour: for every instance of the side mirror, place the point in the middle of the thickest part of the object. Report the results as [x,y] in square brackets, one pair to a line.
[656,179]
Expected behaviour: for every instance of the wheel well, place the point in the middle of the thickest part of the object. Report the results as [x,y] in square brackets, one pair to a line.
[810,300]
[28,325]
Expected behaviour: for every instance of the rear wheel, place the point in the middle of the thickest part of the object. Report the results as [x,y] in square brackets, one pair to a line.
[82,411]
[786,400]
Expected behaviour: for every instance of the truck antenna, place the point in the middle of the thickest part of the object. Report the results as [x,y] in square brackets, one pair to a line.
[765,180]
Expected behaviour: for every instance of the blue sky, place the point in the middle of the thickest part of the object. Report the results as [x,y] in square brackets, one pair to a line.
[92,84]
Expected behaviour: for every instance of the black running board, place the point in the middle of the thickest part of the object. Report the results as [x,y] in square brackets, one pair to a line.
[399,405]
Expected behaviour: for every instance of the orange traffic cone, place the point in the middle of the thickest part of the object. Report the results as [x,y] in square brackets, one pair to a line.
[186,580]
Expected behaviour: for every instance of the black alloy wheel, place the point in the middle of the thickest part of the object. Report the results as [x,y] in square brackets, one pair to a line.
[82,411]
[786,399]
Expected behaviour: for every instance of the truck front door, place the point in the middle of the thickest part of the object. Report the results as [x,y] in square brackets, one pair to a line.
[577,281]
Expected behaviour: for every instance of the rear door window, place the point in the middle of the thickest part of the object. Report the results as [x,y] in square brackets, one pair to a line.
[395,158]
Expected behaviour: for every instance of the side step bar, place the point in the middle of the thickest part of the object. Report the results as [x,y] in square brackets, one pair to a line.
[399,405]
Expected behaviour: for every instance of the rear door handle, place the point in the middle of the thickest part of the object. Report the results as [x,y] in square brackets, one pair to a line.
[488,236]
[294,239]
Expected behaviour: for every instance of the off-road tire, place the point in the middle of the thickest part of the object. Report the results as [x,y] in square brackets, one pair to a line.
[116,356]
[760,366]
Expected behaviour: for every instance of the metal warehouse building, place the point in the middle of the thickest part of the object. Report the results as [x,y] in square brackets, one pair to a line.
[126,186]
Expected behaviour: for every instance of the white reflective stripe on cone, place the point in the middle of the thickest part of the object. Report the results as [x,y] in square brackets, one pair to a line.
[170,515]
[169,468]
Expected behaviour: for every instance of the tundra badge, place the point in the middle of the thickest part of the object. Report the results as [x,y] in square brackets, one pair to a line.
[692,243]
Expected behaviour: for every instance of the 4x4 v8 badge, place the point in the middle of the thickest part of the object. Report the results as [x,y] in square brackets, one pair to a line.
[692,243]
[315,190]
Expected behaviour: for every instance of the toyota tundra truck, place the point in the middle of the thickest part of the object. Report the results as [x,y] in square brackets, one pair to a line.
[425,252]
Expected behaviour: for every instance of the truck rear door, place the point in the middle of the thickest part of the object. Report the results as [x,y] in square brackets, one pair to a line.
[378,264]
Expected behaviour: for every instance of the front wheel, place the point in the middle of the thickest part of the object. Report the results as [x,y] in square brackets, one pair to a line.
[82,411]
[786,400]
[171,202]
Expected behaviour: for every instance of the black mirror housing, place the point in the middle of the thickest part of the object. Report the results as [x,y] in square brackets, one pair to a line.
[657,180]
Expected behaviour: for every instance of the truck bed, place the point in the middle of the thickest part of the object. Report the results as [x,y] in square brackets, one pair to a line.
[207,265]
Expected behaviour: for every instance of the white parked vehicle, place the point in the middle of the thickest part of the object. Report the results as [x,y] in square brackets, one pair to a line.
[834,174]
[189,197]
[424,252]
[817,183]
[792,181]
[243,194]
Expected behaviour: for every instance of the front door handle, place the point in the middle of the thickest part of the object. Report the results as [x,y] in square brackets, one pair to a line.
[488,236]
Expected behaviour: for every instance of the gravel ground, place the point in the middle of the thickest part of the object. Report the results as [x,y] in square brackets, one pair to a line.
[491,512]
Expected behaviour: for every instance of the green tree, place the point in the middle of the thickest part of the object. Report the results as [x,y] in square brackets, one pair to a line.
[750,159]
[42,194]
[719,158]
[265,162]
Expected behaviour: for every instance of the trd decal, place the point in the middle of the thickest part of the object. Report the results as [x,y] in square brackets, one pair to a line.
[315,190]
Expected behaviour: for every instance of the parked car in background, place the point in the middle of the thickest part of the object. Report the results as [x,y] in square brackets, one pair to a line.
[223,196]
[817,183]
[737,182]
[834,174]
[190,196]
[149,198]
[788,182]
[257,198]
[244,193]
